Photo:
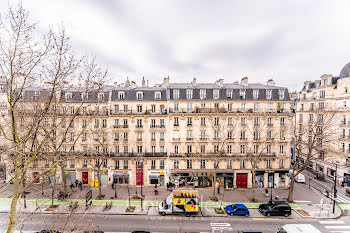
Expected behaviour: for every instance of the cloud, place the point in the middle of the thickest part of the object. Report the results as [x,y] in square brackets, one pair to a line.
[291,41]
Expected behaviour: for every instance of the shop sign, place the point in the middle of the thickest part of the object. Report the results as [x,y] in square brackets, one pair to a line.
[124,172]
[104,171]
[161,173]
[53,171]
[90,171]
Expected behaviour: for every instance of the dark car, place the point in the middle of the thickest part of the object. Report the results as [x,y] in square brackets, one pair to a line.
[275,208]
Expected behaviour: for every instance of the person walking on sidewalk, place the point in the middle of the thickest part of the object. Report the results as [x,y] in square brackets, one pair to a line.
[218,187]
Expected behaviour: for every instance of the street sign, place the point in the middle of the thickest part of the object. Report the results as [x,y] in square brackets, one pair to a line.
[89,198]
[53,171]
[321,203]
[90,171]
[124,172]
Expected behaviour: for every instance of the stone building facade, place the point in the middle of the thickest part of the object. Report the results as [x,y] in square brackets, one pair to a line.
[329,95]
[182,133]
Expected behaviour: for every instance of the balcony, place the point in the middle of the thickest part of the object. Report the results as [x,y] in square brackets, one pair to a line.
[139,126]
[153,167]
[157,126]
[133,112]
[189,139]
[139,139]
[176,139]
[203,139]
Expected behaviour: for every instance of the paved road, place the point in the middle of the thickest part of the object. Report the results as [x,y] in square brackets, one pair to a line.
[174,223]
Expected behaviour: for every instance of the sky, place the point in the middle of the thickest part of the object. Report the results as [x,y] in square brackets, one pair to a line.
[290,41]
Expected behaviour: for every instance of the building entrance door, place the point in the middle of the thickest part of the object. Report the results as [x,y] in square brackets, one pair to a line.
[85,176]
[241,180]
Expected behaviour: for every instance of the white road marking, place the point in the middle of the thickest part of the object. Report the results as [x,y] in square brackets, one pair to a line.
[301,201]
[339,198]
[340,231]
[331,222]
[337,227]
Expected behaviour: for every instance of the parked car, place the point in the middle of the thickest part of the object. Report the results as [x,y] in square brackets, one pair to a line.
[237,209]
[275,208]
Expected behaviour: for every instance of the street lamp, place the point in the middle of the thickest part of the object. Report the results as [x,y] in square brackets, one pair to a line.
[335,185]
[141,181]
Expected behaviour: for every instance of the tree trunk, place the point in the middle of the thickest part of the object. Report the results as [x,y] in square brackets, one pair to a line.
[253,183]
[64,178]
[99,182]
[291,189]
[214,183]
[12,217]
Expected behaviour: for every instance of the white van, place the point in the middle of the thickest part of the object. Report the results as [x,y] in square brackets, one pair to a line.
[298,228]
[300,178]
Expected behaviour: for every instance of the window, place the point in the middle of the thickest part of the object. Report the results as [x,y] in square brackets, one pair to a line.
[176,149]
[69,96]
[229,164]
[121,95]
[116,150]
[243,135]
[161,136]
[202,94]
[229,94]
[242,109]
[153,149]
[256,135]
[104,123]
[139,95]
[139,149]
[202,134]
[229,107]
[322,94]
[189,107]
[229,121]
[176,164]
[229,149]
[176,94]
[139,108]
[139,136]
[125,108]
[84,96]
[256,107]
[202,120]
[138,123]
[157,95]
[126,149]
[256,148]
[256,94]
[282,133]
[268,163]
[216,134]
[117,164]
[281,94]
[176,107]
[84,163]
[269,135]
[242,164]
[125,123]
[268,149]
[256,121]
[189,164]
[176,121]
[282,120]
[281,163]
[216,148]
[202,148]
[189,121]
[153,164]
[282,149]
[242,94]
[243,121]
[189,135]
[161,165]
[202,163]
[101,97]
[216,94]
[216,121]
[229,134]
[189,94]
[126,164]
[242,149]
[153,123]
[268,94]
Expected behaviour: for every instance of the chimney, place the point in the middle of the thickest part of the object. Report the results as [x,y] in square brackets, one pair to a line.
[143,82]
[166,82]
[127,82]
[194,81]
[220,82]
[133,84]
[235,82]
[244,81]
[147,83]
[115,84]
[270,82]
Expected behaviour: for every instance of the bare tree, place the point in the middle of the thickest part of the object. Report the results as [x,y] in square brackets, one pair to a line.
[36,71]
[313,135]
[263,134]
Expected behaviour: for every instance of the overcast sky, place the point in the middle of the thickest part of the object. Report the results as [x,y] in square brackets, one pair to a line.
[289,41]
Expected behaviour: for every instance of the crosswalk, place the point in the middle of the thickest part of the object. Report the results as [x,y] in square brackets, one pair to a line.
[335,226]
[339,199]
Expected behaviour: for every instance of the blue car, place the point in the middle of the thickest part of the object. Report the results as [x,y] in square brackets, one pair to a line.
[237,209]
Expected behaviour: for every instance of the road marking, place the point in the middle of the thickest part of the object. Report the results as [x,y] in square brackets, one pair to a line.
[339,198]
[219,226]
[340,231]
[337,227]
[302,201]
[269,219]
[331,222]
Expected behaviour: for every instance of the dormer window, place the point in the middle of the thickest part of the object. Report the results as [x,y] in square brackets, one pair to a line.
[176,94]
[325,82]
[229,94]
[139,95]
[281,94]
[203,94]
[268,94]
[216,94]
[121,95]
[69,96]
[157,95]
[242,94]
[101,96]
[189,94]
[256,94]
[84,96]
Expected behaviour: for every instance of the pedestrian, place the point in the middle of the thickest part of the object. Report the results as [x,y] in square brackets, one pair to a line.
[76,183]
[266,192]
[218,187]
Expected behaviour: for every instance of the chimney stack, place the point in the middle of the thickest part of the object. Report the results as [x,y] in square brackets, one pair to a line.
[166,82]
[143,82]
[270,82]
[194,82]
[220,82]
[244,81]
